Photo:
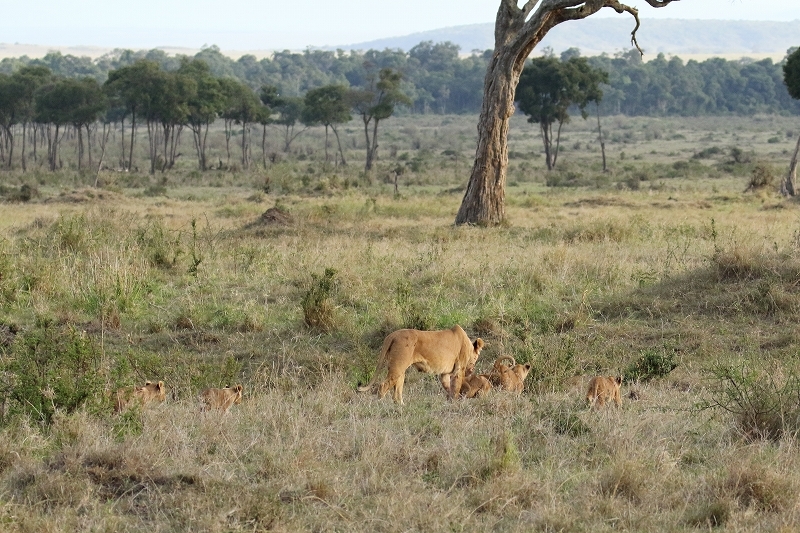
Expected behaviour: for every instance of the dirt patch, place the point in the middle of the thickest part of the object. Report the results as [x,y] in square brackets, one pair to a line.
[274,216]
[599,201]
[81,196]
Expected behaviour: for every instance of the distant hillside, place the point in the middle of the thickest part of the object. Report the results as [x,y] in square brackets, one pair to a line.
[597,35]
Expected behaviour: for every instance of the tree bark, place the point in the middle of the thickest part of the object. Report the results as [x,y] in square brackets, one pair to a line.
[517,31]
[787,187]
[600,136]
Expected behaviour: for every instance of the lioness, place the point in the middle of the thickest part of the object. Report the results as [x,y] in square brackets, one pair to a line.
[510,377]
[447,353]
[150,392]
[602,389]
[475,385]
[221,399]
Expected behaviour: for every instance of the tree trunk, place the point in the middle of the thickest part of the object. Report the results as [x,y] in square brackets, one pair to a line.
[600,136]
[264,144]
[24,134]
[10,138]
[368,164]
[484,199]
[517,31]
[787,187]
[339,143]
[548,145]
[133,134]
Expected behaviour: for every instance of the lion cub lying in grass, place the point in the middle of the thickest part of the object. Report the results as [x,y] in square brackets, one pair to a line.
[222,399]
[603,389]
[510,377]
[150,392]
[474,385]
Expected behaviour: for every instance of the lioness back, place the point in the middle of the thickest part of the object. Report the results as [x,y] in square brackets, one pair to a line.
[149,392]
[222,399]
[447,353]
[602,389]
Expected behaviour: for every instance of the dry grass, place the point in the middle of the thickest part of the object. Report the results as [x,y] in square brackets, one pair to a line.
[197,289]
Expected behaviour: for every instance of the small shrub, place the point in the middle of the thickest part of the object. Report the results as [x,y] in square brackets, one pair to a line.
[623,480]
[650,365]
[317,303]
[763,407]
[413,315]
[714,514]
[52,368]
[755,486]
[761,177]
[505,458]
[566,421]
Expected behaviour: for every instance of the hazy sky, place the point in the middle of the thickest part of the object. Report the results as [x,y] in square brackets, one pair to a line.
[281,24]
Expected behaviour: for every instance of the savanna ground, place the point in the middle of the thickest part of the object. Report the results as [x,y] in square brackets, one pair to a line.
[663,270]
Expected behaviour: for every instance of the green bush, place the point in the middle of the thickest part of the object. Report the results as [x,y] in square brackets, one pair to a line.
[317,303]
[652,364]
[51,368]
[763,405]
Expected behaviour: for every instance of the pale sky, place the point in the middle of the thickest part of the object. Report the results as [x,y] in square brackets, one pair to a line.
[280,24]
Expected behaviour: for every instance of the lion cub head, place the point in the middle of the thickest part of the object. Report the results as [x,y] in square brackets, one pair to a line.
[510,377]
[149,392]
[603,389]
[222,399]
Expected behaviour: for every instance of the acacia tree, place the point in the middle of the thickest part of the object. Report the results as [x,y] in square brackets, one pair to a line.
[11,97]
[290,111]
[791,76]
[549,87]
[328,106]
[204,103]
[377,102]
[83,102]
[30,78]
[517,32]
[129,86]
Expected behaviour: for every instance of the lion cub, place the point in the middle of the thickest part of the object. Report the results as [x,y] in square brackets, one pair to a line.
[474,385]
[150,392]
[603,389]
[221,399]
[510,377]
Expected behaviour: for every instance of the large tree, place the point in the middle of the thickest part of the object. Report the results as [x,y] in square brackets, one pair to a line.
[328,106]
[791,76]
[549,87]
[376,102]
[203,105]
[517,31]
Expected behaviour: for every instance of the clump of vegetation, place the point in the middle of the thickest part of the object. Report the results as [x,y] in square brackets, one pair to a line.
[762,177]
[652,364]
[51,368]
[318,307]
[764,404]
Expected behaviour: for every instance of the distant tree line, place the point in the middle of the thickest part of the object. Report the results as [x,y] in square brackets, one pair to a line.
[38,108]
[437,79]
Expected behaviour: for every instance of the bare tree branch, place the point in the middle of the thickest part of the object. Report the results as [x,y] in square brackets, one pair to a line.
[659,3]
[622,8]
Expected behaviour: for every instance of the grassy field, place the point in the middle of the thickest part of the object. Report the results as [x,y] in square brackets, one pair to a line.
[663,270]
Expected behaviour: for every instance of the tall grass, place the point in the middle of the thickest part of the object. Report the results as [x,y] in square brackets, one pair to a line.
[677,285]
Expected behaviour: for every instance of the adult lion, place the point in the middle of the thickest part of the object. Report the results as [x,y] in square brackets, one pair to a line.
[150,392]
[222,399]
[447,353]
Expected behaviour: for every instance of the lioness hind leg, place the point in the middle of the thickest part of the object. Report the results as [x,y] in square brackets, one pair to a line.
[398,388]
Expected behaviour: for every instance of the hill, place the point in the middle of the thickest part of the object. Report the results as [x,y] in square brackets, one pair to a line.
[610,34]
